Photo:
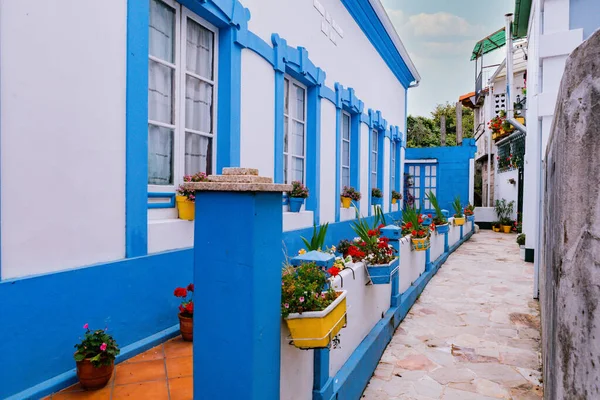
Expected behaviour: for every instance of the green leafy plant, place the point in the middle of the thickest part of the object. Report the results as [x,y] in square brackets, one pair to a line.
[439,218]
[97,346]
[304,289]
[469,209]
[504,211]
[376,192]
[299,190]
[396,195]
[521,239]
[317,241]
[412,223]
[458,210]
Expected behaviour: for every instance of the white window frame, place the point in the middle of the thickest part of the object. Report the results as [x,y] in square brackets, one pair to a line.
[393,166]
[179,129]
[290,153]
[342,166]
[374,154]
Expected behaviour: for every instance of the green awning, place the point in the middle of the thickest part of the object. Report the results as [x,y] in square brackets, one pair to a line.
[488,44]
[521,21]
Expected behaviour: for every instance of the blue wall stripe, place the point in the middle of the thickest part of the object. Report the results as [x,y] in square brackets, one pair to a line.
[136,141]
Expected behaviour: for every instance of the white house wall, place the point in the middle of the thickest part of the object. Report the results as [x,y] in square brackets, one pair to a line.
[63,134]
[327,199]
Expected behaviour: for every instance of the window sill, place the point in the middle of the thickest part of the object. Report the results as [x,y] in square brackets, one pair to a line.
[169,234]
[347,214]
[293,221]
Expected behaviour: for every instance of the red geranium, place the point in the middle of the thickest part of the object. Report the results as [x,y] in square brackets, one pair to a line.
[372,232]
[190,287]
[414,233]
[189,307]
[409,224]
[333,271]
[180,292]
[355,253]
[428,215]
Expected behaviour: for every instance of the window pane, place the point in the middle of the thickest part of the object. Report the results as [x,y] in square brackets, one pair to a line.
[433,182]
[433,170]
[199,49]
[427,182]
[427,170]
[286,96]
[162,31]
[373,162]
[298,169]
[374,141]
[160,155]
[160,93]
[299,103]
[198,105]
[285,134]
[198,154]
[346,126]
[345,176]
[345,153]
[285,168]
[298,139]
[373,179]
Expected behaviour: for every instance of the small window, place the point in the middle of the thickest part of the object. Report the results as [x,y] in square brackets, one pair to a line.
[294,136]
[374,157]
[181,93]
[345,173]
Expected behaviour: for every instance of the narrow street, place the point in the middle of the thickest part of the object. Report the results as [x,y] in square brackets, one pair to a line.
[473,334]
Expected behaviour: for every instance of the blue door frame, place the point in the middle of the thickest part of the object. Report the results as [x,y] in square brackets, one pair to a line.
[424,179]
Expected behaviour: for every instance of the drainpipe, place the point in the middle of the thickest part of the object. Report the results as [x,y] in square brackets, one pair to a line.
[510,114]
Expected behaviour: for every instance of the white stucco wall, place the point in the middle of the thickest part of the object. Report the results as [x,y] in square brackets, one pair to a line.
[506,190]
[364,169]
[327,199]
[437,246]
[63,134]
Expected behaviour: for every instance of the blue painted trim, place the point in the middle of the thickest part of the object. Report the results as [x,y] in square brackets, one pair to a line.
[136,128]
[382,274]
[322,383]
[278,176]
[313,151]
[157,195]
[366,17]
[351,380]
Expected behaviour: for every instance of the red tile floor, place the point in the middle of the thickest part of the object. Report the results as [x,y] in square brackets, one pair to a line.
[161,373]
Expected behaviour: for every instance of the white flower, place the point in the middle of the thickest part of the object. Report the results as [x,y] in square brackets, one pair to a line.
[357,239]
[333,249]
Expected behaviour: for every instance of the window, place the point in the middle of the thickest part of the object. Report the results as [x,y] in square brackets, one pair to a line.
[393,167]
[181,93]
[294,145]
[345,150]
[430,184]
[374,148]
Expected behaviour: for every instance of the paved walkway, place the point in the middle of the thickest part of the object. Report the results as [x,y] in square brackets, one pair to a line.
[473,333]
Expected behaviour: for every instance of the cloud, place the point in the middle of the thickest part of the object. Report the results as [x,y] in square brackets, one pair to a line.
[442,24]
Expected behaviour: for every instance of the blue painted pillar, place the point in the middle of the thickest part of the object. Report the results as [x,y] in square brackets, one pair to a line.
[237,276]
[461,231]
[394,234]
[446,247]
[428,260]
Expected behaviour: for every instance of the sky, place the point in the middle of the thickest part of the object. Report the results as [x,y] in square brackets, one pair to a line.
[439,36]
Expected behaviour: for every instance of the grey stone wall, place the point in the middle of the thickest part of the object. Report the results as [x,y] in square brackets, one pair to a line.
[570,270]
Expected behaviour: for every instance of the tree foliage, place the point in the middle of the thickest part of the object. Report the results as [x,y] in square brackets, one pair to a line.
[425,132]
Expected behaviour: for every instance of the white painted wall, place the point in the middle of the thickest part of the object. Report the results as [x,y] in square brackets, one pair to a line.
[437,246]
[386,175]
[297,367]
[505,190]
[364,169]
[63,134]
[257,141]
[327,198]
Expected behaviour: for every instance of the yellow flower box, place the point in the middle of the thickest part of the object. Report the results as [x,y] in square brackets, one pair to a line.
[459,221]
[185,208]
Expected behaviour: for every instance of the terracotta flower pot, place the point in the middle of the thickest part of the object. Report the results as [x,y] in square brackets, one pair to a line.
[186,326]
[92,377]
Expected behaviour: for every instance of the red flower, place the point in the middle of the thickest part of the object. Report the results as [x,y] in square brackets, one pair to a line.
[382,245]
[420,219]
[381,226]
[180,292]
[428,215]
[409,224]
[189,307]
[433,227]
[421,233]
[414,233]
[372,232]
[353,251]
[181,309]
[190,287]
[333,271]
[384,239]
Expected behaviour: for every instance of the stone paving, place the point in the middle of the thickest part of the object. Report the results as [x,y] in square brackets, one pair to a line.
[474,333]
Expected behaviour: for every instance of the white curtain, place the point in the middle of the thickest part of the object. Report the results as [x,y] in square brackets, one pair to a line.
[198,153]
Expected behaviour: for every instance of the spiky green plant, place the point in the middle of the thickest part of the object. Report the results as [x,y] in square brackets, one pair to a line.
[458,210]
[317,241]
[439,218]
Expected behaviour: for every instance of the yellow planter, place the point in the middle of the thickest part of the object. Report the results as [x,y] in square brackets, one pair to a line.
[495,229]
[394,201]
[459,221]
[346,201]
[315,329]
[521,120]
[506,228]
[185,208]
[421,244]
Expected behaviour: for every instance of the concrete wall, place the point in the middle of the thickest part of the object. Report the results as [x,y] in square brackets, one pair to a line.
[453,170]
[569,275]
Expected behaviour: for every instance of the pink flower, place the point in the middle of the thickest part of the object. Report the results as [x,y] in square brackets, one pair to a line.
[301,299]
[103,347]
[286,305]
[85,326]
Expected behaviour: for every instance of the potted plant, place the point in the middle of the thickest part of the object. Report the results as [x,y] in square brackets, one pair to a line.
[375,251]
[496,227]
[349,194]
[521,243]
[95,358]
[313,311]
[186,311]
[439,223]
[297,195]
[412,223]
[504,211]
[186,198]
[459,217]
[396,197]
[499,126]
[376,197]
[470,212]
